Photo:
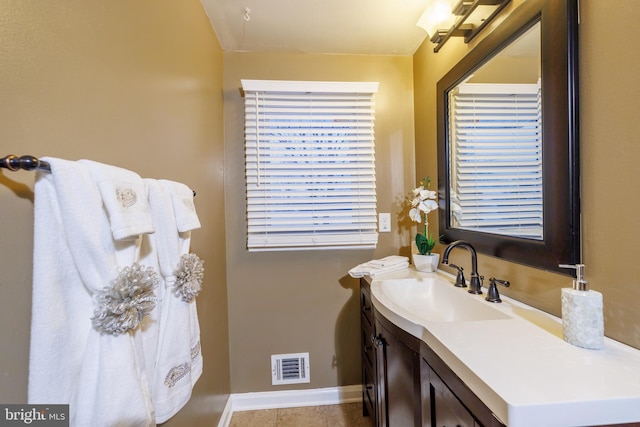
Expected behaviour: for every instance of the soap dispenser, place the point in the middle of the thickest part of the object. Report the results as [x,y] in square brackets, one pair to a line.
[582,316]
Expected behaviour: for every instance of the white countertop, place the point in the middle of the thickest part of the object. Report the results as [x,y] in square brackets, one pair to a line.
[520,366]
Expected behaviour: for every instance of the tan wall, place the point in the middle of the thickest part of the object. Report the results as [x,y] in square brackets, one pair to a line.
[137,84]
[609,160]
[299,301]
[131,83]
[510,69]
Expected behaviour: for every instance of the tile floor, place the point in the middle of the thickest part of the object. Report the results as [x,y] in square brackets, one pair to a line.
[344,415]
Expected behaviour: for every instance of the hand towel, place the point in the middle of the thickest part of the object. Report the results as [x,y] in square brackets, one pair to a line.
[388,261]
[100,376]
[183,206]
[377,267]
[178,362]
[125,199]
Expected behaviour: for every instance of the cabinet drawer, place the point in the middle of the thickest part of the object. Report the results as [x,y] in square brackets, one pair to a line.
[369,392]
[366,307]
[368,350]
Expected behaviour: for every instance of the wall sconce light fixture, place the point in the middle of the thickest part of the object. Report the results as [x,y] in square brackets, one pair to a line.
[443,19]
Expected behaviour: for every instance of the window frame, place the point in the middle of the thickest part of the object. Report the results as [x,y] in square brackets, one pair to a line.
[301,161]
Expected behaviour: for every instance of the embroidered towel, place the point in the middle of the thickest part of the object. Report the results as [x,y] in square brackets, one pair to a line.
[100,376]
[125,199]
[178,362]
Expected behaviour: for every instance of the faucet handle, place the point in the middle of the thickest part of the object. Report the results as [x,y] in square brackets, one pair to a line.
[492,293]
[460,280]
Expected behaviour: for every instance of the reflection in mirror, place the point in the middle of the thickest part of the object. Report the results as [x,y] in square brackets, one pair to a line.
[495,143]
[508,170]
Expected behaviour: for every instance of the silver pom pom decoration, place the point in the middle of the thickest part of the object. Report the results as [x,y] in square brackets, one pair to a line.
[189,275]
[122,306]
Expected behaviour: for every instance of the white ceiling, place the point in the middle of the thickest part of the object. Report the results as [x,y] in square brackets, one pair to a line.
[379,27]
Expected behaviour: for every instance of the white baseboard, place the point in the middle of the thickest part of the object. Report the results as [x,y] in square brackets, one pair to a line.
[227,412]
[289,399]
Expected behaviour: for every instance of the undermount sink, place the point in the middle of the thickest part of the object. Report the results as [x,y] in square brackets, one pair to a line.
[434,300]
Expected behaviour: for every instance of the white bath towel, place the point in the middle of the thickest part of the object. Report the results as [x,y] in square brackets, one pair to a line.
[101,377]
[125,199]
[178,363]
[379,266]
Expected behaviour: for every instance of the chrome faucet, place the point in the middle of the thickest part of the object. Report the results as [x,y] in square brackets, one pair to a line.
[475,283]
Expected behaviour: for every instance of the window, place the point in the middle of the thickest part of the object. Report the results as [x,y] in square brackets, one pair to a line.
[310,165]
[496,136]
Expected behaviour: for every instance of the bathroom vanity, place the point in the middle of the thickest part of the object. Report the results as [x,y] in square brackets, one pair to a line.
[435,355]
[405,383]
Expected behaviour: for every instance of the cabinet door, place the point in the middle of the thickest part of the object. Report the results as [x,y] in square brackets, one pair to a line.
[449,401]
[446,409]
[380,344]
[398,381]
[369,382]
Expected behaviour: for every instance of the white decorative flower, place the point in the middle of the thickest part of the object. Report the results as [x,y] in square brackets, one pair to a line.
[415,215]
[423,202]
[424,194]
[189,275]
[122,306]
[427,206]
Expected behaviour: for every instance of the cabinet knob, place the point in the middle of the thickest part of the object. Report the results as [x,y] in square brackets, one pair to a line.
[376,341]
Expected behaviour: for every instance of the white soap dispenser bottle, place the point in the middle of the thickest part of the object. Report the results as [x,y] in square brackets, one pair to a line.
[582,316]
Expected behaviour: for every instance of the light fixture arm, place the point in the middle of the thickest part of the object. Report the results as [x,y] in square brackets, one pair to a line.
[463,10]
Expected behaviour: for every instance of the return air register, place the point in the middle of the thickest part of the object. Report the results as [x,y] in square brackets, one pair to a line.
[290,368]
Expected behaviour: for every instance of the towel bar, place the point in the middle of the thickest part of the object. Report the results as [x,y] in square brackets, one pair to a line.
[29,163]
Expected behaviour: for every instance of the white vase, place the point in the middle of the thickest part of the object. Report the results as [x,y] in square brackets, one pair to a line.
[426,263]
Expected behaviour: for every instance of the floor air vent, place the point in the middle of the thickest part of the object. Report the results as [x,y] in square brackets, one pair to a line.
[290,368]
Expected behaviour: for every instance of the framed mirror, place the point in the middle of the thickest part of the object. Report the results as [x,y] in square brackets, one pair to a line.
[508,140]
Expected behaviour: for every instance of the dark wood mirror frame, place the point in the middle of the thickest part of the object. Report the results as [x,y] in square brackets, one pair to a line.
[561,173]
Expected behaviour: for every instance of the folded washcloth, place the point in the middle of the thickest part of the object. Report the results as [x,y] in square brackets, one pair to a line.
[183,207]
[389,261]
[379,266]
[125,198]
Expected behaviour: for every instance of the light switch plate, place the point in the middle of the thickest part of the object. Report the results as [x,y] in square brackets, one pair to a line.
[384,222]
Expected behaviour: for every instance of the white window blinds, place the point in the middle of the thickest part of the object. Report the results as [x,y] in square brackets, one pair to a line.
[496,139]
[310,165]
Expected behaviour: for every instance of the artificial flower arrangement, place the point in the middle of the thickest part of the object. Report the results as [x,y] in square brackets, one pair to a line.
[423,202]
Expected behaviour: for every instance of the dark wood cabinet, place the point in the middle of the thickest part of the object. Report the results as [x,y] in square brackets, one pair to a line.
[398,374]
[445,410]
[369,359]
[446,400]
[390,369]
[404,383]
